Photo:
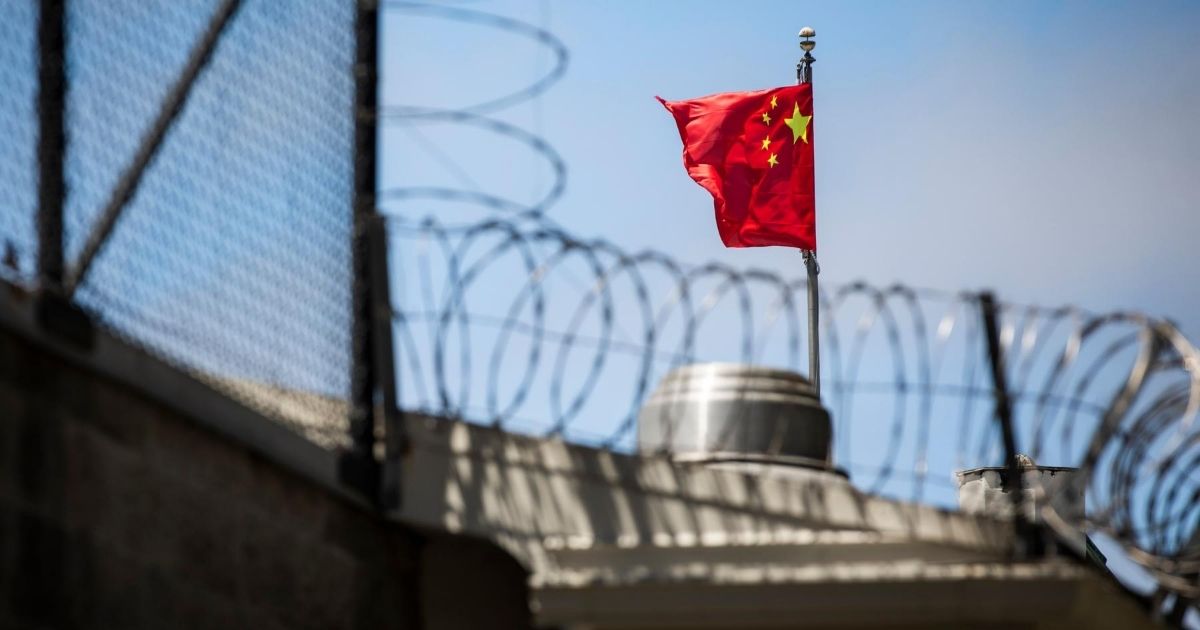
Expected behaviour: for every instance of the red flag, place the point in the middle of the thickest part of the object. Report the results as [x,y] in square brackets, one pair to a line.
[754,152]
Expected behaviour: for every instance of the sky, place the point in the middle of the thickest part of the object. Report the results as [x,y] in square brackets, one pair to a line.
[1048,151]
[1045,150]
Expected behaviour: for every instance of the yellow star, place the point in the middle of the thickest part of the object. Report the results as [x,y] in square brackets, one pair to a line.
[774,101]
[773,160]
[766,118]
[767,143]
[799,125]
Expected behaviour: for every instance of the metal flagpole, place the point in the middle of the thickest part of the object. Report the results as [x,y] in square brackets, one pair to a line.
[804,75]
[814,312]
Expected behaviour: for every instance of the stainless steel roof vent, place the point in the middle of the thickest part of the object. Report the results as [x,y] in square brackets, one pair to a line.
[726,412]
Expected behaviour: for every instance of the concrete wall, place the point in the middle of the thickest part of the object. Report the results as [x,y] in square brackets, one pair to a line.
[117,511]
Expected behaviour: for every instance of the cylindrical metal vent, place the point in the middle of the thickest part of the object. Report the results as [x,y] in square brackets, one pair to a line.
[731,412]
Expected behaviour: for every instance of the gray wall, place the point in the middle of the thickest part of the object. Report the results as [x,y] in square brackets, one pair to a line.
[116,512]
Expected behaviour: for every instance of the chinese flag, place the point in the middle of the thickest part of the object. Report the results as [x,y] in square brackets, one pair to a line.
[754,152]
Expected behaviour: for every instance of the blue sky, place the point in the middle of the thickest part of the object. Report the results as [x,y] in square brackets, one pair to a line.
[1047,150]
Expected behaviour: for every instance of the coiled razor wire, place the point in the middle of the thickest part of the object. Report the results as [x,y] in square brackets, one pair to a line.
[514,322]
[1114,394]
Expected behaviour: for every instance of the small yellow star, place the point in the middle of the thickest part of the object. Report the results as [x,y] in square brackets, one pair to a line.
[766,118]
[766,143]
[774,101]
[773,160]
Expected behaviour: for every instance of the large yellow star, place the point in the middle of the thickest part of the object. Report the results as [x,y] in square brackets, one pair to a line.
[799,125]
[766,143]
[766,118]
[773,160]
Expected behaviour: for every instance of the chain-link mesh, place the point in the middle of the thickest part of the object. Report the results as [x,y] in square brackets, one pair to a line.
[233,259]
[18,139]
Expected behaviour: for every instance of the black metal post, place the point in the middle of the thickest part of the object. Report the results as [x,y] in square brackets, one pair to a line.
[359,468]
[383,353]
[987,304]
[55,313]
[1013,480]
[52,142]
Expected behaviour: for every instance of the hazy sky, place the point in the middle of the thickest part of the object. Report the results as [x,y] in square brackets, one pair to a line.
[1047,150]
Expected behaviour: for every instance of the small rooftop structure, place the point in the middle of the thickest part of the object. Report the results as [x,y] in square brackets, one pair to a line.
[727,412]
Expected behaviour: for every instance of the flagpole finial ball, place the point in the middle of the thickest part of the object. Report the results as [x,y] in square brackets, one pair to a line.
[807,33]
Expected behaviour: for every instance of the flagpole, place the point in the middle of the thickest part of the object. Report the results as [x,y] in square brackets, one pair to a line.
[804,75]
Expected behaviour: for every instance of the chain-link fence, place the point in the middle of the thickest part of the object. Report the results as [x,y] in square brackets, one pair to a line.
[232,257]
[18,139]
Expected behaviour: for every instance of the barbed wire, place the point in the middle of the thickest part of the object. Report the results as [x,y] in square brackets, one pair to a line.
[494,324]
[1114,394]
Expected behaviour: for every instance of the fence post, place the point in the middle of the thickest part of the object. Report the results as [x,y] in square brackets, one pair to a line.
[1027,534]
[55,312]
[358,467]
[387,410]
[52,142]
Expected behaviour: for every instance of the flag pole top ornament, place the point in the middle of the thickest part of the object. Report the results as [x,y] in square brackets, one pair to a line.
[804,68]
[807,33]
